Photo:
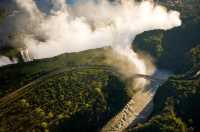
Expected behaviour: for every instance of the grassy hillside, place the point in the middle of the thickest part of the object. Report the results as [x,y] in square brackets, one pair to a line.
[76,99]
[14,76]
[71,101]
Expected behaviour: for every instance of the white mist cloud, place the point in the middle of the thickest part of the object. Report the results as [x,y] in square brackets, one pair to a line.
[6,61]
[88,25]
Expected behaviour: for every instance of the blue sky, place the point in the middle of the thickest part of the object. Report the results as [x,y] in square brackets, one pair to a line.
[44,5]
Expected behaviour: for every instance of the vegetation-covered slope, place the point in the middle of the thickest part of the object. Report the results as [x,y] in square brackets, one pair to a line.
[81,99]
[177,101]
[14,76]
[78,99]
[170,48]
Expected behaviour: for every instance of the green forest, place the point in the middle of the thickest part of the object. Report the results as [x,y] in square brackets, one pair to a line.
[177,101]
[88,97]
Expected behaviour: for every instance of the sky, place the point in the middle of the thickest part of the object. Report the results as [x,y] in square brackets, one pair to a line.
[45,6]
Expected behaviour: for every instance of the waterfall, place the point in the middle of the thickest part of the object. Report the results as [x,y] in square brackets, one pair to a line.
[25,54]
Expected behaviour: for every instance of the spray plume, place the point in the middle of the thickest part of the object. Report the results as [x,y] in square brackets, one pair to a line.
[88,25]
[6,61]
